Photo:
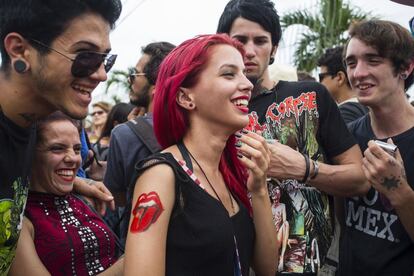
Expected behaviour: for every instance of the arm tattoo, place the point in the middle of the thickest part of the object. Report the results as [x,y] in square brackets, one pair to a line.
[391,182]
[147,210]
[391,162]
[403,175]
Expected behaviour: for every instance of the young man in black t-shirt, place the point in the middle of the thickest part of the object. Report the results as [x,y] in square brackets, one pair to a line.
[308,135]
[53,55]
[379,226]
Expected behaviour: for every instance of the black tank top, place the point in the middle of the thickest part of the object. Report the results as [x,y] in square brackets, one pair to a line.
[200,239]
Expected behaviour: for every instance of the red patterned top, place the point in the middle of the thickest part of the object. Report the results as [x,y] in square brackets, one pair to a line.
[69,238]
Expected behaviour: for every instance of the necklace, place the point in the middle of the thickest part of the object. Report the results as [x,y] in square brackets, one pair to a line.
[187,157]
[211,186]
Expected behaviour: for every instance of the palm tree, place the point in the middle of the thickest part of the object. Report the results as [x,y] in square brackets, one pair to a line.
[324,29]
[119,79]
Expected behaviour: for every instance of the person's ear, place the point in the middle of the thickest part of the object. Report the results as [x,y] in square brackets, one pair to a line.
[341,78]
[184,99]
[18,50]
[152,91]
[404,74]
[272,55]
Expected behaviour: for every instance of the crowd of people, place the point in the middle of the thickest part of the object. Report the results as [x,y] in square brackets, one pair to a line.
[214,167]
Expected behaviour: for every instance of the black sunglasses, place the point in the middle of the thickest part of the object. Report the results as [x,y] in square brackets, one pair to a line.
[100,112]
[323,75]
[132,74]
[85,63]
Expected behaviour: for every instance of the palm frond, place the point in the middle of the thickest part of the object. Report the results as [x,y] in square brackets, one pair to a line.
[325,29]
[300,18]
[118,78]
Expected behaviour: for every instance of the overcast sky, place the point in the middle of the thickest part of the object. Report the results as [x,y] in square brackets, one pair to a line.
[146,21]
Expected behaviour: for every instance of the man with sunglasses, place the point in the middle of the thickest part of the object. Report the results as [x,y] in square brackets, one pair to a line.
[127,148]
[54,54]
[333,76]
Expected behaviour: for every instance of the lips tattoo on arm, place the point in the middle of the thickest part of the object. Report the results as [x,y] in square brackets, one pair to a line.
[146,212]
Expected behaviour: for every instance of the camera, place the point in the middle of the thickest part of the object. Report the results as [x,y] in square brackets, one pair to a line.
[389,148]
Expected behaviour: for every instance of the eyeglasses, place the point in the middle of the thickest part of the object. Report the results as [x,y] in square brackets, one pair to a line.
[85,63]
[323,75]
[132,74]
[100,112]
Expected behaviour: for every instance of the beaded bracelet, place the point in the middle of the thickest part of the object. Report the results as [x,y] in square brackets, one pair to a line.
[305,177]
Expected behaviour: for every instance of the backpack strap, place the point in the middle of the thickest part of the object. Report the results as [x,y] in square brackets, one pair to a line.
[145,133]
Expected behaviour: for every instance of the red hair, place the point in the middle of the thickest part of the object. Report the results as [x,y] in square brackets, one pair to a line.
[181,68]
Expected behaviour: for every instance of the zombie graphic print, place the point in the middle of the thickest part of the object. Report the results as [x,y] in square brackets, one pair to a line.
[294,115]
[16,152]
[11,215]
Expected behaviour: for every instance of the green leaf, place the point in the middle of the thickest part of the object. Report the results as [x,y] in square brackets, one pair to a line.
[325,29]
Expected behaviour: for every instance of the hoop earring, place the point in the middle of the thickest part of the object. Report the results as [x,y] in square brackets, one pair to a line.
[20,66]
[403,76]
[271,60]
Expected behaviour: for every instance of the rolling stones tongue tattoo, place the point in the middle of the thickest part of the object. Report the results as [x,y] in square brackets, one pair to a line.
[146,212]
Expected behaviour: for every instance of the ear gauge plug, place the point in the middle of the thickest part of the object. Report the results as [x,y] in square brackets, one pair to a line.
[20,66]
[190,105]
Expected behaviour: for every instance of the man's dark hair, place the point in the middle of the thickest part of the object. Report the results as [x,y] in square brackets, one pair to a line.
[157,51]
[332,59]
[42,124]
[390,39]
[45,20]
[262,12]
[305,76]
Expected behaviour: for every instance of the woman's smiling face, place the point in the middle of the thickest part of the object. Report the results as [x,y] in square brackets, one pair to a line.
[57,158]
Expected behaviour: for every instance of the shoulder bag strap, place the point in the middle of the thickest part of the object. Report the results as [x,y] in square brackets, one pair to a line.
[145,132]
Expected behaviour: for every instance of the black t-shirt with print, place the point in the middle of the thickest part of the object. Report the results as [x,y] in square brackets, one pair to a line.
[374,241]
[303,116]
[16,150]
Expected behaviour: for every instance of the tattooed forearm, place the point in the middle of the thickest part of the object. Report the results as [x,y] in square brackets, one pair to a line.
[391,183]
[403,175]
[147,210]
[391,162]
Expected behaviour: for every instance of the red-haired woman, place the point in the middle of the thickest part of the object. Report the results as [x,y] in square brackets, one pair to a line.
[201,207]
